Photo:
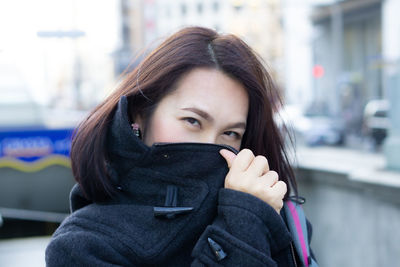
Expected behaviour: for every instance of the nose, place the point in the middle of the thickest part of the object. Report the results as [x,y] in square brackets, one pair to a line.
[209,137]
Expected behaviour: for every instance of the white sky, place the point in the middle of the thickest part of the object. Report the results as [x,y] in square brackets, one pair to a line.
[32,58]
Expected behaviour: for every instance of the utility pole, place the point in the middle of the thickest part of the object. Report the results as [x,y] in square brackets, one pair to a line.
[77,67]
[391,53]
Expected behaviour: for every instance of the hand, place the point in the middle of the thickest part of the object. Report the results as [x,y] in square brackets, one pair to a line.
[251,175]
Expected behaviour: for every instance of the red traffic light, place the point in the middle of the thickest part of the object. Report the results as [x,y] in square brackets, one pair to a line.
[318,71]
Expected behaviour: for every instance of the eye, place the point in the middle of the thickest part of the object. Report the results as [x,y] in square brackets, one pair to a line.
[233,135]
[192,121]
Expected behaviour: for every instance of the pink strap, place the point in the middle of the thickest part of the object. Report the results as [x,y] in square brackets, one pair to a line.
[296,220]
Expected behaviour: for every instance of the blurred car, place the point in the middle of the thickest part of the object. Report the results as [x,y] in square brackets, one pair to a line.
[311,129]
[376,121]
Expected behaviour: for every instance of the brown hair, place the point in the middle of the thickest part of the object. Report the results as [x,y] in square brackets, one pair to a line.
[156,76]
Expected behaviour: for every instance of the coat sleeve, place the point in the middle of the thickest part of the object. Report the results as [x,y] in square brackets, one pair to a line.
[246,232]
[82,248]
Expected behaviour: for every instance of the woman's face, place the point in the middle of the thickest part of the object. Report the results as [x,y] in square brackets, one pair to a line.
[206,107]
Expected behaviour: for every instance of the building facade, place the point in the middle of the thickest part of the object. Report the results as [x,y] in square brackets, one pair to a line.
[340,56]
[257,22]
[347,44]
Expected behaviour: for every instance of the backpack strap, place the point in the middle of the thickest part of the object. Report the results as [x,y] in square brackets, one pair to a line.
[297,225]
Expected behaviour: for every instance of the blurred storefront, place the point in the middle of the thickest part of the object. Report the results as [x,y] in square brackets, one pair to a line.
[356,43]
[347,44]
[352,62]
[342,63]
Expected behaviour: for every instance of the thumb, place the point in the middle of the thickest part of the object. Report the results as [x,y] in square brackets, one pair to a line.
[229,156]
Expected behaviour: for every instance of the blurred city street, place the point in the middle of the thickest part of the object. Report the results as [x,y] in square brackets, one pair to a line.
[336,64]
[23,252]
[351,168]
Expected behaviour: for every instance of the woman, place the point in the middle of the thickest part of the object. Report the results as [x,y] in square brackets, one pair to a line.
[160,181]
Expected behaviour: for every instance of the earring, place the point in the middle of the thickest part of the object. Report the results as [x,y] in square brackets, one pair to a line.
[136,129]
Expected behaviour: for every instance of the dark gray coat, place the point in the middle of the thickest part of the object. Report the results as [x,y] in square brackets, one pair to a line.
[224,228]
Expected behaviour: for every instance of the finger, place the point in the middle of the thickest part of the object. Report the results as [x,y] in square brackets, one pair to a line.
[243,160]
[280,187]
[270,178]
[259,166]
[279,206]
[229,156]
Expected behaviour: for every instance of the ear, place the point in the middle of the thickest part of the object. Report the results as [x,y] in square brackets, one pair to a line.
[138,119]
[140,124]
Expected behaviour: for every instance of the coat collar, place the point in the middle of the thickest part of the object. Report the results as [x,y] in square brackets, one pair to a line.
[179,160]
[144,177]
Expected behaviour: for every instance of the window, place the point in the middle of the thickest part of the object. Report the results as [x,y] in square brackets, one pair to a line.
[216,6]
[183,9]
[200,8]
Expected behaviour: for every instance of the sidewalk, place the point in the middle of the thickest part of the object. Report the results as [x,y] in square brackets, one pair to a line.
[353,204]
[22,252]
[358,165]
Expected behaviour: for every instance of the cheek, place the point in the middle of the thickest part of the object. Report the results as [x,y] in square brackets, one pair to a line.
[234,144]
[167,131]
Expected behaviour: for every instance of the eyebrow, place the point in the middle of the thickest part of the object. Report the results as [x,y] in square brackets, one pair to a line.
[208,117]
[201,113]
[238,125]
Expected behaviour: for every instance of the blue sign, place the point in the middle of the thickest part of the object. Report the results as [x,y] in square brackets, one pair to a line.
[32,150]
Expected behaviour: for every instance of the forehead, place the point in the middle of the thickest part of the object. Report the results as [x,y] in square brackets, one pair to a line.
[211,89]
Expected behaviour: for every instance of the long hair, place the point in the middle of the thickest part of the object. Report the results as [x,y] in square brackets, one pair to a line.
[156,76]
